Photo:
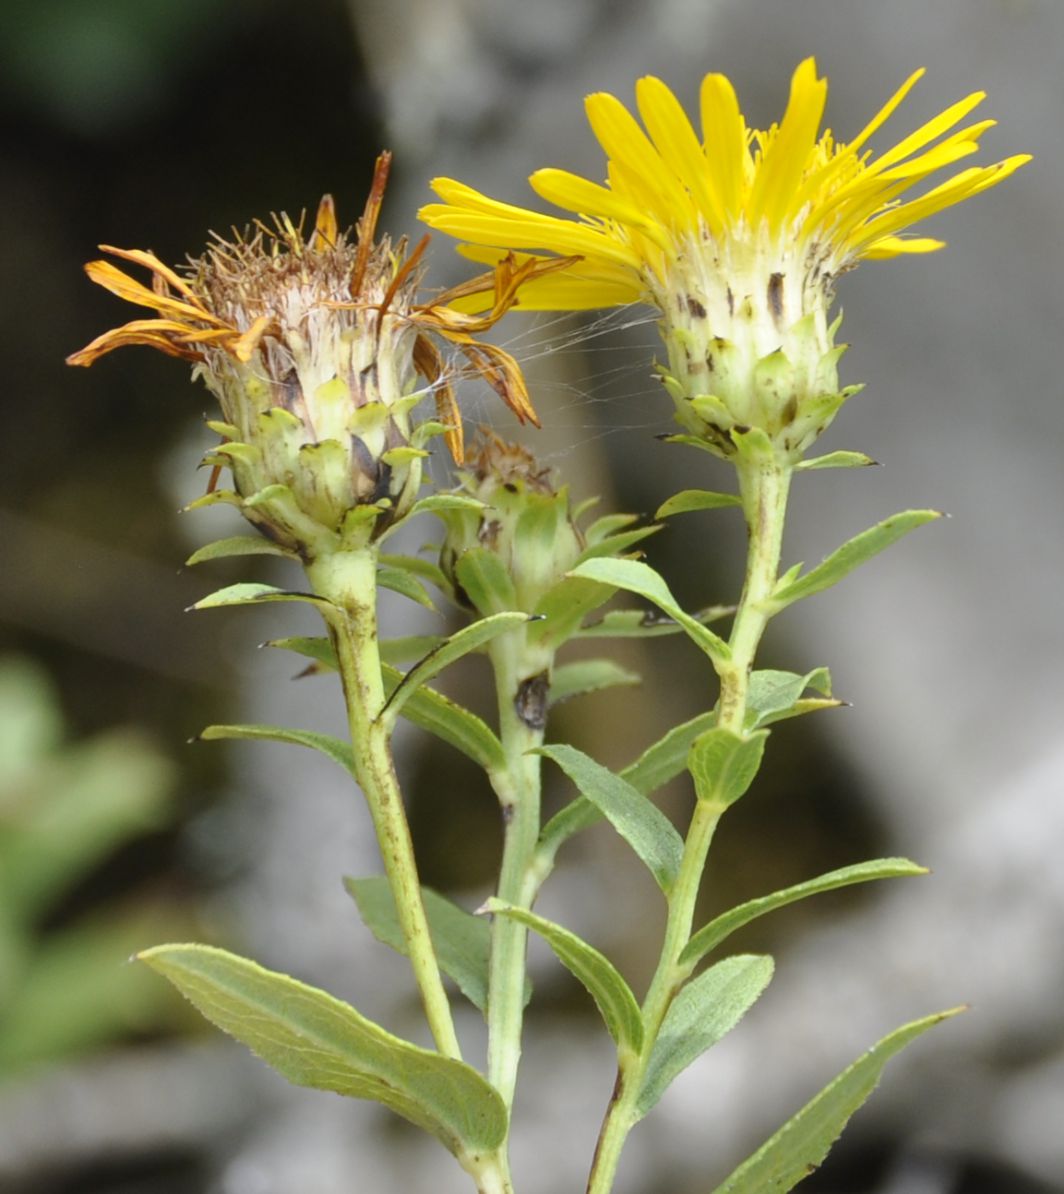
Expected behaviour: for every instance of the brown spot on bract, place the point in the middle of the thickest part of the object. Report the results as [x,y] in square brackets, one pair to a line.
[696,308]
[775,296]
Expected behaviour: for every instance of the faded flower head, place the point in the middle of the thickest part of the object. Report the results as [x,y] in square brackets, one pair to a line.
[318,352]
[736,235]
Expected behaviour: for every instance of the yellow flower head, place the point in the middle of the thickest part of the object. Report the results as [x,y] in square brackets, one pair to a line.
[736,235]
[314,346]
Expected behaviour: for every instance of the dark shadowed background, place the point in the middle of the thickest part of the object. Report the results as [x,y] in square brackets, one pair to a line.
[146,125]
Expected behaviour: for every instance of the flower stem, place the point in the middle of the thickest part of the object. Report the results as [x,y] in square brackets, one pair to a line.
[348,580]
[522,687]
[764,484]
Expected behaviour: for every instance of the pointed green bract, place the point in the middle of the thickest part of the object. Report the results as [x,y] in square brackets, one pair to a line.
[315,1040]
[841,459]
[804,1140]
[706,1010]
[614,545]
[723,764]
[689,500]
[461,941]
[721,927]
[563,608]
[469,638]
[774,695]
[612,995]
[333,748]
[639,578]
[400,581]
[240,545]
[317,648]
[853,553]
[588,675]
[437,503]
[254,594]
[642,825]
[607,525]
[485,581]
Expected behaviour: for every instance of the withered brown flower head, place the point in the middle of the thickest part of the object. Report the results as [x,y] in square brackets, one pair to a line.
[318,349]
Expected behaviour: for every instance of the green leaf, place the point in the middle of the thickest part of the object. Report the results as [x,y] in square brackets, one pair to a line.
[862,547]
[705,1010]
[612,995]
[836,460]
[426,569]
[655,766]
[462,941]
[315,1040]
[637,623]
[436,503]
[469,638]
[641,579]
[333,748]
[772,694]
[804,1140]
[451,722]
[642,825]
[723,764]
[721,927]
[607,525]
[317,648]
[253,594]
[614,545]
[393,650]
[588,675]
[485,581]
[241,545]
[688,500]
[401,581]
[562,608]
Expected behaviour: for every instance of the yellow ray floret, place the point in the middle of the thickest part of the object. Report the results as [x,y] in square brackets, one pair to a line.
[790,191]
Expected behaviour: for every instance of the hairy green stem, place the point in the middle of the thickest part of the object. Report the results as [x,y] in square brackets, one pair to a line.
[764,485]
[349,581]
[521,681]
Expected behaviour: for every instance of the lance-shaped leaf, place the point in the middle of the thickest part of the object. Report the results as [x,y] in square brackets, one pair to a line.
[588,675]
[400,581]
[240,545]
[315,647]
[639,578]
[461,941]
[843,561]
[315,1040]
[841,459]
[333,748]
[614,545]
[723,764]
[612,995]
[608,524]
[485,581]
[254,594]
[438,503]
[638,623]
[721,927]
[563,607]
[417,566]
[804,1140]
[402,649]
[452,722]
[642,825]
[774,695]
[469,638]
[659,763]
[705,1010]
[688,500]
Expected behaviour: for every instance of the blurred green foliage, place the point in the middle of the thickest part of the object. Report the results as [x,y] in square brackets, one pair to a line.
[64,810]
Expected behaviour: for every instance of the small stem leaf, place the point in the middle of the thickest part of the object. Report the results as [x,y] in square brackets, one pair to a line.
[837,565]
[333,748]
[562,608]
[400,581]
[408,648]
[315,1040]
[614,545]
[451,722]
[706,1010]
[241,545]
[485,581]
[461,940]
[607,525]
[316,648]
[835,460]
[723,764]
[641,579]
[253,594]
[721,927]
[436,503]
[804,1140]
[642,825]
[417,566]
[772,695]
[654,767]
[688,500]
[611,993]
[469,638]
[637,623]
[800,708]
[588,675]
